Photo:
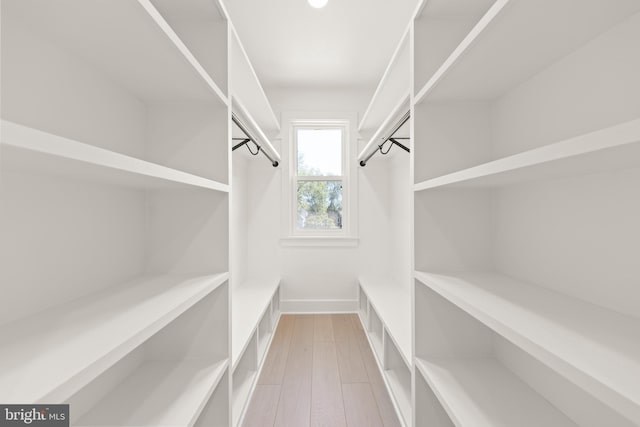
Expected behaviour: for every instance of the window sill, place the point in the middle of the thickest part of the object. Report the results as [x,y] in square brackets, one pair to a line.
[320,241]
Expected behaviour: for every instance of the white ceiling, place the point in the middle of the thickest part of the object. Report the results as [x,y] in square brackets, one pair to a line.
[347,44]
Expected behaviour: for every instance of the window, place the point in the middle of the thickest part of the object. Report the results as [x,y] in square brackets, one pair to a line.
[319,179]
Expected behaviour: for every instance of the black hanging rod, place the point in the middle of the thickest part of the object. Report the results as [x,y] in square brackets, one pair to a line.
[248,139]
[390,137]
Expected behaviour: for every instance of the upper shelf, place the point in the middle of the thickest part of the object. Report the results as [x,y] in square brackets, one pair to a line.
[480,392]
[159,394]
[51,355]
[596,348]
[24,148]
[246,87]
[507,45]
[616,147]
[249,302]
[399,108]
[127,40]
[393,305]
[395,82]
[247,119]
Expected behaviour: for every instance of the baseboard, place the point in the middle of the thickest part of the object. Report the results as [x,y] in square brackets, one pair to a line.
[318,306]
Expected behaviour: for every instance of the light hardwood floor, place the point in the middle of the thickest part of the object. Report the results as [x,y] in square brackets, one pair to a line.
[320,372]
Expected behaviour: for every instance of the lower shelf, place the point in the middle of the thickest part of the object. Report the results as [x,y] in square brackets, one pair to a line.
[480,392]
[159,393]
[241,389]
[400,384]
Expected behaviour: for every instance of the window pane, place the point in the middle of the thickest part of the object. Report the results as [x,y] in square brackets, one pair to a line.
[319,205]
[319,152]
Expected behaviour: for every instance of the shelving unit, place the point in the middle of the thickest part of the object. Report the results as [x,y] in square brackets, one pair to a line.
[256,312]
[115,182]
[384,316]
[523,221]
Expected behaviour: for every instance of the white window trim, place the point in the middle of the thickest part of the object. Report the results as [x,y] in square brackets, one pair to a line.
[348,235]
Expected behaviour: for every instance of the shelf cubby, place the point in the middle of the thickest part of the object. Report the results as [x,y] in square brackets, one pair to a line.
[383,308]
[132,92]
[256,314]
[91,333]
[529,119]
[398,376]
[169,379]
[482,379]
[442,28]
[556,329]
[244,375]
[201,26]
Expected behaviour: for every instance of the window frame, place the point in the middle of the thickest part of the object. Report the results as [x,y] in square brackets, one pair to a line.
[343,126]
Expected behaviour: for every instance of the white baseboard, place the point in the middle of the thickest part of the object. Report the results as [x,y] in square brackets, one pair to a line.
[318,305]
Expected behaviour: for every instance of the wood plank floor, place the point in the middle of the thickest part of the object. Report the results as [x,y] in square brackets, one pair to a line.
[320,372]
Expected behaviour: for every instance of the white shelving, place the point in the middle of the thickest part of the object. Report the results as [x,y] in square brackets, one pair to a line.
[248,90]
[506,46]
[386,316]
[394,82]
[254,128]
[90,334]
[592,346]
[174,394]
[390,301]
[256,313]
[145,55]
[31,150]
[613,148]
[523,170]
[481,392]
[251,302]
[398,110]
[115,164]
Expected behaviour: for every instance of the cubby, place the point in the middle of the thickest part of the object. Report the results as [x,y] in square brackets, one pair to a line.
[388,326]
[526,153]
[255,316]
[169,378]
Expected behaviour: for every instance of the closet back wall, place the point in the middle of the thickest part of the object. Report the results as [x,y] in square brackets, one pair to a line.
[317,278]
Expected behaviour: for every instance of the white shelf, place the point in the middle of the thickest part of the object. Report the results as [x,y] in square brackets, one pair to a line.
[241,391]
[482,393]
[28,149]
[397,111]
[50,356]
[401,388]
[159,394]
[248,120]
[249,301]
[392,304]
[395,81]
[506,46]
[616,147]
[128,40]
[247,88]
[597,349]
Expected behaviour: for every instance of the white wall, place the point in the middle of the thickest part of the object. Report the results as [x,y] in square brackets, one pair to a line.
[317,278]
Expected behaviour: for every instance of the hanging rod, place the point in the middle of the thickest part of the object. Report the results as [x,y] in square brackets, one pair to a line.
[248,139]
[391,138]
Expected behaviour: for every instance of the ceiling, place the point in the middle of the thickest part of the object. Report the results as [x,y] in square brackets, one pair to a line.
[347,44]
